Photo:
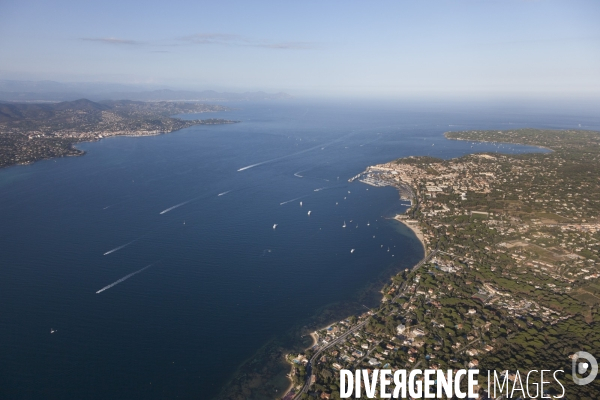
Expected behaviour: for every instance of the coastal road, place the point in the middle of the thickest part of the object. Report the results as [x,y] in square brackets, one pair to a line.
[350,331]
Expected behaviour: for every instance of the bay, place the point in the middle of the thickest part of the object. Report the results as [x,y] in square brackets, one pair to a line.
[199,206]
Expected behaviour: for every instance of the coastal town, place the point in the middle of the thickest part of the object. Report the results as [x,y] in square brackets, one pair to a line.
[510,278]
[32,132]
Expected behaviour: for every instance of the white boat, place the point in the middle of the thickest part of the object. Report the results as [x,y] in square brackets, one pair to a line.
[300,204]
[274,226]
[309,213]
[368,224]
[343,226]
[52,330]
[351,251]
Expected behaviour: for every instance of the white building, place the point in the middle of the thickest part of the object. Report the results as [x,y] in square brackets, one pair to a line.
[400,329]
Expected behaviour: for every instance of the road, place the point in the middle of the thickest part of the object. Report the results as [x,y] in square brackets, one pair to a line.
[352,330]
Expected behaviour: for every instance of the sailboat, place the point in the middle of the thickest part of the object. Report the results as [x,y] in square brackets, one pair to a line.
[300,204]
[309,213]
[368,223]
[343,226]
[351,251]
[274,226]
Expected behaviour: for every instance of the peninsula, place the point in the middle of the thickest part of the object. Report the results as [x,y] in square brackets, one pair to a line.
[511,277]
[32,131]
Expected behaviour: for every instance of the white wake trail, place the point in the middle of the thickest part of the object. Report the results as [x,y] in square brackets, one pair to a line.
[320,146]
[256,165]
[174,207]
[119,248]
[297,198]
[123,279]
[224,193]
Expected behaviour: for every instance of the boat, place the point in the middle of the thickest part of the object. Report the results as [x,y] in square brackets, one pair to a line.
[300,204]
[274,226]
[309,213]
[351,251]
[368,224]
[52,330]
[343,226]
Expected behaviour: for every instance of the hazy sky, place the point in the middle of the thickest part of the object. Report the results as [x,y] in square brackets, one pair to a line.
[372,48]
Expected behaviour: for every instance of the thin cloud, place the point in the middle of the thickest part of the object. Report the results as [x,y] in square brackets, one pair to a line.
[113,40]
[288,46]
[202,39]
[215,38]
[226,39]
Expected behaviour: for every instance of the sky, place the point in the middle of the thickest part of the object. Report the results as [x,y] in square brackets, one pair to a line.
[324,48]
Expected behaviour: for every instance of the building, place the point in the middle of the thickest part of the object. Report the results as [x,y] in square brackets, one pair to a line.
[400,329]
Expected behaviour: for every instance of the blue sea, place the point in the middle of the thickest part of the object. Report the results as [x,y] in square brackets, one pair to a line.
[193,213]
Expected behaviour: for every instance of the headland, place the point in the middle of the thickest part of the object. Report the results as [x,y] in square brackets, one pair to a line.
[31,132]
[512,273]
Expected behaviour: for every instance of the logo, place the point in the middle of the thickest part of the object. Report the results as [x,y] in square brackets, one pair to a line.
[581,367]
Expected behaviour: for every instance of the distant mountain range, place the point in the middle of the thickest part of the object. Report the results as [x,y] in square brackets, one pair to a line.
[50,91]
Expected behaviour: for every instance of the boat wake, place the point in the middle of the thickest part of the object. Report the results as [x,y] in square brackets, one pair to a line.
[224,193]
[328,187]
[124,278]
[297,198]
[175,206]
[120,247]
[320,146]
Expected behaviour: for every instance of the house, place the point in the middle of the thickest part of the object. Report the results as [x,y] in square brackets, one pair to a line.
[373,361]
[400,329]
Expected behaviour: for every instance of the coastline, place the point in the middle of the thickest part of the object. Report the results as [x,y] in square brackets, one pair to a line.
[97,136]
[414,227]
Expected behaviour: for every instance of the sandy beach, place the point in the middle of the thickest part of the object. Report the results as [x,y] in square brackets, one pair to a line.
[413,225]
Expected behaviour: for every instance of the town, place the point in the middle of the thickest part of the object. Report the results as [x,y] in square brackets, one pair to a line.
[32,132]
[510,277]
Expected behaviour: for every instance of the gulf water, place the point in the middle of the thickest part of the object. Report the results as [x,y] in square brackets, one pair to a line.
[222,280]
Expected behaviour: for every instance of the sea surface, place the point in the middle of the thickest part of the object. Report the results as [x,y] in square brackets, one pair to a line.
[193,213]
